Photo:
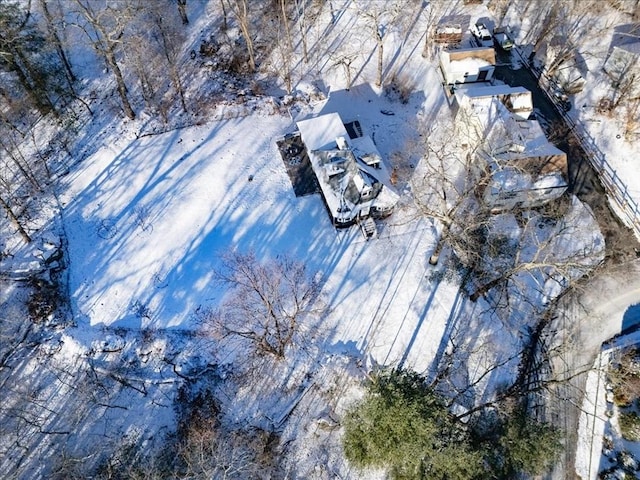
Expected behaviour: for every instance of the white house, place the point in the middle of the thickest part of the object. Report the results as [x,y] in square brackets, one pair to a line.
[467,65]
[521,167]
[353,178]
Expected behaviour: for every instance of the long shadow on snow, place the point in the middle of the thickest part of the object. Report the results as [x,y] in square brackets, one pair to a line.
[98,262]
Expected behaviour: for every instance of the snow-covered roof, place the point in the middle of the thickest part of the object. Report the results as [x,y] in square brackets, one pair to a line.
[632,48]
[513,179]
[350,172]
[320,133]
[518,100]
[365,150]
[475,91]
[506,137]
[470,64]
[466,60]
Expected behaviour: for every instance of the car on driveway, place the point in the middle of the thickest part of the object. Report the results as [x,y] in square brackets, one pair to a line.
[481,35]
[503,38]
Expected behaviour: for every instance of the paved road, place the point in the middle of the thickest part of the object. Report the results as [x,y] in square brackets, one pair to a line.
[590,316]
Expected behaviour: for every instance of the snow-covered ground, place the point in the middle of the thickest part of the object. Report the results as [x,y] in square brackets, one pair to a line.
[148,217]
[147,222]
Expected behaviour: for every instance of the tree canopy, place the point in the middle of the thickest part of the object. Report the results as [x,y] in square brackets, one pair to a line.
[406,427]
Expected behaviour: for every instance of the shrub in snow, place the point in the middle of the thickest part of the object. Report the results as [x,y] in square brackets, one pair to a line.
[625,378]
[630,426]
[628,461]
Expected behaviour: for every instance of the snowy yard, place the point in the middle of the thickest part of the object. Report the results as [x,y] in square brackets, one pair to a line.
[147,218]
[148,221]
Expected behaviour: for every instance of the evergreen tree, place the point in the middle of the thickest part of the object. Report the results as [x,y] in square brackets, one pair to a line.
[406,427]
[528,446]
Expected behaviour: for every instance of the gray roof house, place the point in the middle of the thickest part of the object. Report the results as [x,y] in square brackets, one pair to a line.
[522,168]
[352,175]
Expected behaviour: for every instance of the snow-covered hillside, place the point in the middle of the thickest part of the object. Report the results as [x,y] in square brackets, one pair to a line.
[144,212]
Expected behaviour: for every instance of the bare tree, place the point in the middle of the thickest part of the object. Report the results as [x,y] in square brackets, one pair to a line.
[182,10]
[54,35]
[380,18]
[527,257]
[561,27]
[153,50]
[170,40]
[545,257]
[346,61]
[301,8]
[444,189]
[435,10]
[243,14]
[214,453]
[23,53]
[268,303]
[276,25]
[9,146]
[105,29]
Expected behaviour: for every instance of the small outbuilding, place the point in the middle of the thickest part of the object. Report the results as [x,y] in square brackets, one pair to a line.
[448,32]
[622,60]
[467,65]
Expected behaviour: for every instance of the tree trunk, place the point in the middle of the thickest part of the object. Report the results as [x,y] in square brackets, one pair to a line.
[380,57]
[303,30]
[25,236]
[243,19]
[182,8]
[224,16]
[58,43]
[483,289]
[285,22]
[105,45]
[175,76]
[24,170]
[122,88]
[170,57]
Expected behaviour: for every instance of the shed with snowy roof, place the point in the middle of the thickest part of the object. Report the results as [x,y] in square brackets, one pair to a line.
[467,65]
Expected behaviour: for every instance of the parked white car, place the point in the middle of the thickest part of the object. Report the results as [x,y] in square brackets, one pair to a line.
[481,35]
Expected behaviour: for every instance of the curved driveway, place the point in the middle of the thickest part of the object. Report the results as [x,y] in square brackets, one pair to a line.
[586,319]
